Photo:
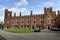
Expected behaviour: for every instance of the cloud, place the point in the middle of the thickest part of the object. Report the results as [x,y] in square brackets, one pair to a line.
[48,4]
[17,7]
[2,18]
[17,10]
[2,13]
[13,9]
[22,2]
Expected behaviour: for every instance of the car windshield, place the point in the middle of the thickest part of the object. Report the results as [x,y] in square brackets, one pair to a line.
[36,28]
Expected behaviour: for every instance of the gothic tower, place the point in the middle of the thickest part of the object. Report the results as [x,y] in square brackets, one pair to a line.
[7,19]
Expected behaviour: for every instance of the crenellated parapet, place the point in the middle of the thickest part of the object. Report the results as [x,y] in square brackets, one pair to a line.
[8,14]
[47,9]
[58,12]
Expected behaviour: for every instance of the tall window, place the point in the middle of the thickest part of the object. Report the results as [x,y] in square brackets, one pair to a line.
[16,19]
[41,22]
[22,26]
[17,22]
[8,14]
[22,21]
[28,22]
[34,22]
[12,22]
[28,26]
[41,18]
[25,26]
[48,18]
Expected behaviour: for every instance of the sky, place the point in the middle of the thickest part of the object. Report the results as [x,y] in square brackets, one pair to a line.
[25,6]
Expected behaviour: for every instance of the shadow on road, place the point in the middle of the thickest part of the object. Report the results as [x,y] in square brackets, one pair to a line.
[2,38]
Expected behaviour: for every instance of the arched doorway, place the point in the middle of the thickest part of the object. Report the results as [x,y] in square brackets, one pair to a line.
[48,27]
[7,27]
[33,27]
[25,26]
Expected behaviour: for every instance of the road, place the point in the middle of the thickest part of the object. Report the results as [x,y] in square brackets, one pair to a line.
[45,35]
[2,38]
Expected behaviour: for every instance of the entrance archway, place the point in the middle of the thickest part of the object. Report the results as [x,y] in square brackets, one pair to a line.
[48,27]
[7,27]
[33,27]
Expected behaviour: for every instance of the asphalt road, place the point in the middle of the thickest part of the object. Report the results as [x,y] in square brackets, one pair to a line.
[2,38]
[43,35]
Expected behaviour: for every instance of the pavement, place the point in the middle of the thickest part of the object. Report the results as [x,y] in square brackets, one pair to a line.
[43,35]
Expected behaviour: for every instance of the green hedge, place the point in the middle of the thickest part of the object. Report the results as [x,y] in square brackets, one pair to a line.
[19,30]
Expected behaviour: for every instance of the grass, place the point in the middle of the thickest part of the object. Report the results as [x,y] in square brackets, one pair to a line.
[19,30]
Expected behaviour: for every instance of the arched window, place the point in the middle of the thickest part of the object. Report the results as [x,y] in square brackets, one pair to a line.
[32,27]
[22,26]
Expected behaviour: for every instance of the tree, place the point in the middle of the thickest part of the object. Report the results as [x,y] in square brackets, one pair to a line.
[1,24]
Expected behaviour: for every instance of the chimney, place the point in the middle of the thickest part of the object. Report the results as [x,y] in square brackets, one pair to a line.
[44,9]
[51,9]
[58,12]
[20,13]
[6,10]
[14,14]
[31,13]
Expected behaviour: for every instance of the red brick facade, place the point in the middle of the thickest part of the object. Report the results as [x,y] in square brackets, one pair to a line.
[45,20]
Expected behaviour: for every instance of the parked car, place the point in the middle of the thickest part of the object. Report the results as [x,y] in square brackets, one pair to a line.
[37,29]
[58,29]
[54,29]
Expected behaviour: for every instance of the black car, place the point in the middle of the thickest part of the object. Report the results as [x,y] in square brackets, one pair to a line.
[54,29]
[37,29]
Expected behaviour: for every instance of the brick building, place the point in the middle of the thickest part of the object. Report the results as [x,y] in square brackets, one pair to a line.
[44,21]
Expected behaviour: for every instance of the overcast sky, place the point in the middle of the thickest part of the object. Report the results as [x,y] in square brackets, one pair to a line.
[25,6]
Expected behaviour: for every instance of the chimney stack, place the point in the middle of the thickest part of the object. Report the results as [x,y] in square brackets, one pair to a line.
[14,14]
[58,12]
[20,13]
[31,13]
[44,9]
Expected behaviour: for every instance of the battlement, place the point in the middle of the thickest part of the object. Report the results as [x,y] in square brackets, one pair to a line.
[7,11]
[47,9]
[31,12]
[8,14]
[58,12]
